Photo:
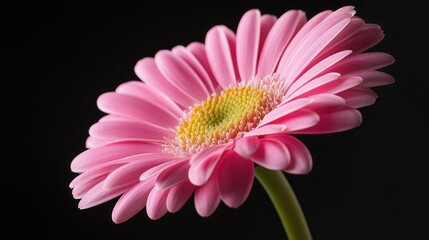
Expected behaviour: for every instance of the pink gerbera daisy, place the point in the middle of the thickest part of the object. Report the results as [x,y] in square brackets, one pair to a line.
[205,115]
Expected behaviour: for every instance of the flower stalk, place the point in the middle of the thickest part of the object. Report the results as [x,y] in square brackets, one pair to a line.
[285,203]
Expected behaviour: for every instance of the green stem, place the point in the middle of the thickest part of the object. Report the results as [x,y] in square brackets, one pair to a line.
[285,203]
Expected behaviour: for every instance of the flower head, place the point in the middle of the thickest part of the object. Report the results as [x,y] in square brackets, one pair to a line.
[204,115]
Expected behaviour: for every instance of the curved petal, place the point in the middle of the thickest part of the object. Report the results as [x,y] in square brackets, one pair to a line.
[204,162]
[199,51]
[110,152]
[318,69]
[266,130]
[93,173]
[92,142]
[116,118]
[271,154]
[173,175]
[129,130]
[283,110]
[178,196]
[139,109]
[373,78]
[156,205]
[132,202]
[98,195]
[181,75]
[267,22]
[300,157]
[130,173]
[348,32]
[367,36]
[301,36]
[149,73]
[336,121]
[363,61]
[330,83]
[145,92]
[196,66]
[359,97]
[235,179]
[246,146]
[326,103]
[309,51]
[277,40]
[207,197]
[80,190]
[296,121]
[157,169]
[219,56]
[108,167]
[316,36]
[248,33]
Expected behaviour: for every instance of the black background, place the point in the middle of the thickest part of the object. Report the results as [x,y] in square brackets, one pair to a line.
[367,183]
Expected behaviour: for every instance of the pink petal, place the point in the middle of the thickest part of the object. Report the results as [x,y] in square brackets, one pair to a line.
[98,195]
[235,179]
[359,97]
[130,173]
[283,110]
[147,111]
[348,32]
[300,157]
[105,168]
[310,33]
[95,172]
[178,196]
[230,37]
[337,121]
[196,66]
[327,85]
[199,51]
[149,73]
[363,61]
[248,32]
[266,130]
[145,92]
[313,84]
[207,197]
[246,146]
[204,162]
[374,78]
[219,56]
[117,118]
[267,22]
[296,121]
[326,102]
[278,38]
[110,152]
[346,10]
[92,142]
[367,36]
[80,190]
[129,130]
[309,51]
[181,75]
[156,170]
[156,205]
[318,69]
[132,202]
[300,36]
[173,175]
[271,154]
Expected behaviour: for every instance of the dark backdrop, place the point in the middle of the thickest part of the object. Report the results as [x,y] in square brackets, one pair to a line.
[367,183]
